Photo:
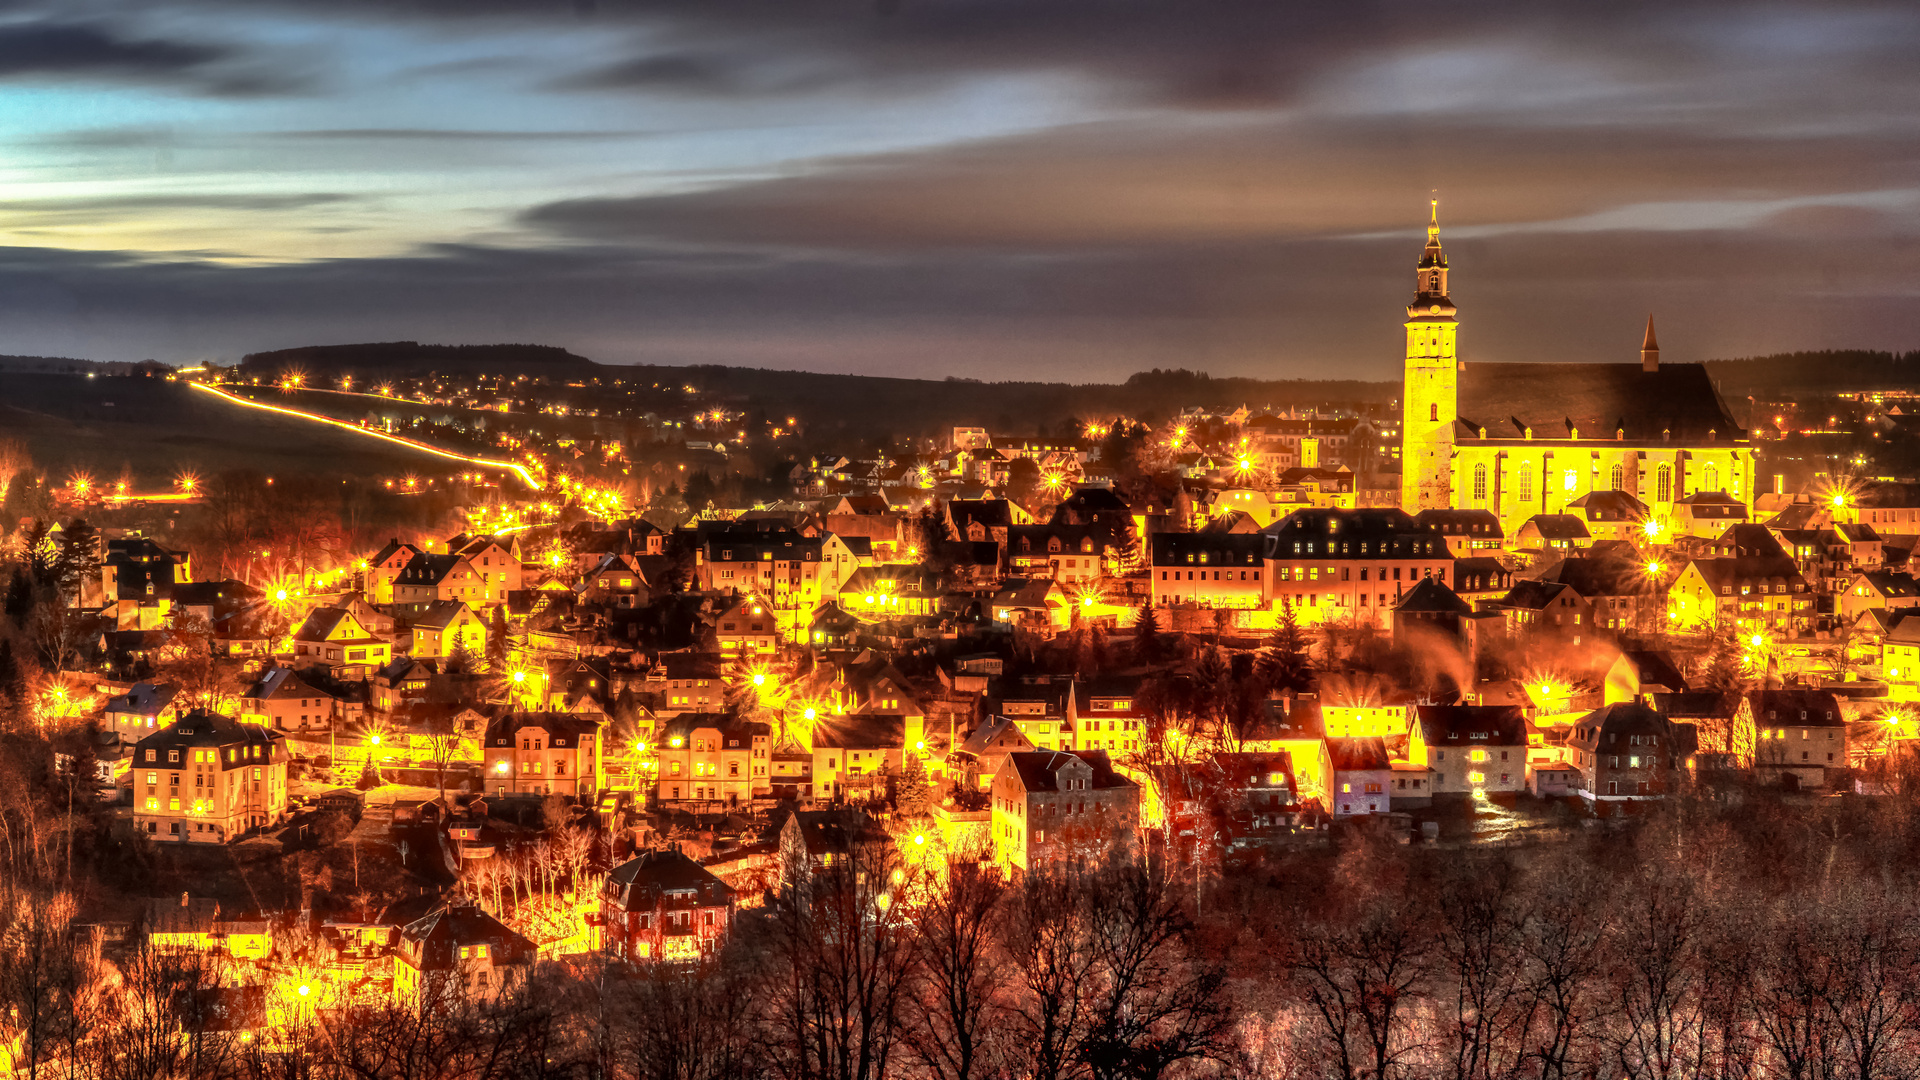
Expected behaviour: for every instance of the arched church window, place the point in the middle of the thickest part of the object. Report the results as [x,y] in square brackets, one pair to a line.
[1712,477]
[1526,482]
[1618,477]
[1433,412]
[1480,483]
[1663,483]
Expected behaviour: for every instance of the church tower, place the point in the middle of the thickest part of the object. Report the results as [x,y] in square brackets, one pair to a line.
[1430,396]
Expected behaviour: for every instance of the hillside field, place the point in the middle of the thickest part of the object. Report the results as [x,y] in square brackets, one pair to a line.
[161,428]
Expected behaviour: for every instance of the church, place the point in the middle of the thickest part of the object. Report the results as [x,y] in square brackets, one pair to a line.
[1524,439]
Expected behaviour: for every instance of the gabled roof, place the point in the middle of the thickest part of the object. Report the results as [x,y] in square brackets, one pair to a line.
[144,699]
[434,941]
[201,729]
[1609,506]
[1450,522]
[427,568]
[1429,597]
[564,728]
[441,614]
[1041,770]
[995,732]
[1673,402]
[1697,705]
[651,875]
[1472,725]
[1799,707]
[1534,595]
[392,548]
[1622,718]
[282,683]
[322,622]
[1558,526]
[1367,533]
[1359,754]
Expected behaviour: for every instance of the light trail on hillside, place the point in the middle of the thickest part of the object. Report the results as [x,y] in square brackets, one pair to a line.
[526,476]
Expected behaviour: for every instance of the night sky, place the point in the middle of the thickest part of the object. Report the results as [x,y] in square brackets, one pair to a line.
[1064,189]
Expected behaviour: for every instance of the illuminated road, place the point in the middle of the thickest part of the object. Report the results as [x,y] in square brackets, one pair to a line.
[526,477]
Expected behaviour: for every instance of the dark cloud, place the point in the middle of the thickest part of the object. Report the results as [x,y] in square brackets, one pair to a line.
[1126,184]
[53,49]
[46,48]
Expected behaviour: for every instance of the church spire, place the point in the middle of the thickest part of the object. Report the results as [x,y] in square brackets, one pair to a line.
[1649,350]
[1430,279]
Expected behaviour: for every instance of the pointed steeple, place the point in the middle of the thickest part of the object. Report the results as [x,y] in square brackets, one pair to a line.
[1430,278]
[1649,350]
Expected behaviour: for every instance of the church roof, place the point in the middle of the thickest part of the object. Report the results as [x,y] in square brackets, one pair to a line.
[1676,401]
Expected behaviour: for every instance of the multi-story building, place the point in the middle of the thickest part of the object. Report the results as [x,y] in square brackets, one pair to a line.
[430,577]
[712,757]
[1626,752]
[384,568]
[281,699]
[1470,749]
[1105,714]
[1351,564]
[747,626]
[445,627]
[208,779]
[499,563]
[1062,807]
[1213,569]
[854,755]
[133,715]
[459,952]
[661,905]
[1469,533]
[544,753]
[1800,737]
[336,639]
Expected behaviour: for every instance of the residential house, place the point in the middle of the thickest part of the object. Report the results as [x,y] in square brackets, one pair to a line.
[1626,753]
[208,779]
[746,626]
[282,699]
[189,923]
[817,842]
[1212,569]
[544,753]
[1351,564]
[712,758]
[978,757]
[1872,590]
[1061,806]
[661,905]
[384,568]
[1035,603]
[1469,533]
[889,591]
[1548,607]
[498,561]
[133,715]
[1706,513]
[854,755]
[1066,553]
[1105,714]
[446,627]
[1362,776]
[1473,750]
[459,952]
[1611,515]
[1561,534]
[333,638]
[1037,705]
[430,577]
[1800,737]
[1296,727]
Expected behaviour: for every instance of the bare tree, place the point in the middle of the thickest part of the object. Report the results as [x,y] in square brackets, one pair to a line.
[958,970]
[1361,983]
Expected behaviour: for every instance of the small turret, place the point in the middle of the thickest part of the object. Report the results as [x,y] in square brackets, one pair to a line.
[1649,350]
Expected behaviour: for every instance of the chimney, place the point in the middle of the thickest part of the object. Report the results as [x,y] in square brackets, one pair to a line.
[1649,350]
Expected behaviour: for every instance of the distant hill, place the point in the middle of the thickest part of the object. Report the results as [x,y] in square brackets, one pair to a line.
[66,365]
[413,358]
[875,403]
[1826,372]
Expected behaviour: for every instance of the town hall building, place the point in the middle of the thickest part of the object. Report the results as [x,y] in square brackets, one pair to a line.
[1526,439]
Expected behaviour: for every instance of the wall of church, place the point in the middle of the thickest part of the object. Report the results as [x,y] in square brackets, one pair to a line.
[1517,482]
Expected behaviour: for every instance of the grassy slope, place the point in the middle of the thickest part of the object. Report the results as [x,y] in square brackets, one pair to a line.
[161,428]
